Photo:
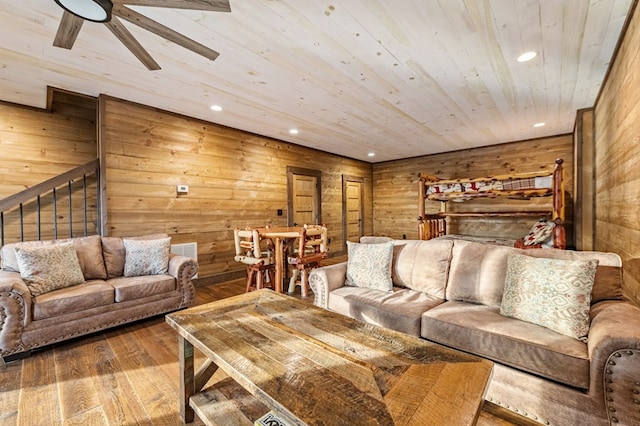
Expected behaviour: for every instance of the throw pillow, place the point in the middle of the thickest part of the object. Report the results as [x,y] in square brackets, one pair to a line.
[48,268]
[369,265]
[553,293]
[540,233]
[146,257]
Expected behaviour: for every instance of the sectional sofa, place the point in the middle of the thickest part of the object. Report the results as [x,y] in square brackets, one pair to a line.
[55,290]
[462,294]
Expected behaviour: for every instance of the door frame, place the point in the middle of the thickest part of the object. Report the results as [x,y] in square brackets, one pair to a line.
[360,180]
[291,170]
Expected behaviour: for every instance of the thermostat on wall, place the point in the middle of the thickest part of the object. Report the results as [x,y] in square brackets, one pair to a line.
[183,189]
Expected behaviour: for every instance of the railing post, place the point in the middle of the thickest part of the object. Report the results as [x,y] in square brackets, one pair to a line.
[70,212]
[38,216]
[55,215]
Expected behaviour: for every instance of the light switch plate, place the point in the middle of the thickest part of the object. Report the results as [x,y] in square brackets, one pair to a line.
[183,189]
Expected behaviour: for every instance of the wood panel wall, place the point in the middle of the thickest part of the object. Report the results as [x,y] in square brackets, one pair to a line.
[395,201]
[235,179]
[617,159]
[36,145]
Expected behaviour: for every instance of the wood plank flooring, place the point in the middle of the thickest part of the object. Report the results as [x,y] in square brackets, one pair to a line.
[124,376]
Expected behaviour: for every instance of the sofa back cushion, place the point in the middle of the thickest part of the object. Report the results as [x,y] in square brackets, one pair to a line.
[49,267]
[115,253]
[607,284]
[422,265]
[9,259]
[88,249]
[478,271]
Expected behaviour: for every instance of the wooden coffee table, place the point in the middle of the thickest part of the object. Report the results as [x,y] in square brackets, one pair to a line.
[312,366]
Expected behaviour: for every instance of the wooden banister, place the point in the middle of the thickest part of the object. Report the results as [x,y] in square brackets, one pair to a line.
[29,194]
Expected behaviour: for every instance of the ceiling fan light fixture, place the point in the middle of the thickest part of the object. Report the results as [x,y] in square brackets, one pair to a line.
[91,10]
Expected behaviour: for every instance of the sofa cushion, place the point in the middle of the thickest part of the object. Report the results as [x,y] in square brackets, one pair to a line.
[146,257]
[553,293]
[399,310]
[114,252]
[477,272]
[369,265]
[481,330]
[9,260]
[422,265]
[89,295]
[89,250]
[49,267]
[130,288]
[607,284]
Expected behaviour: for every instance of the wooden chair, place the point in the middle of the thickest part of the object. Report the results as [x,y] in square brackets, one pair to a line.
[259,262]
[310,249]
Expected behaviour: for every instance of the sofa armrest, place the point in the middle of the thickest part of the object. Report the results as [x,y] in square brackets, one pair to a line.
[326,279]
[614,352]
[183,268]
[15,308]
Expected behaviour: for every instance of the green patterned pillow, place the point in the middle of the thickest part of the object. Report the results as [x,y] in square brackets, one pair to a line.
[369,265]
[553,293]
[146,257]
[48,268]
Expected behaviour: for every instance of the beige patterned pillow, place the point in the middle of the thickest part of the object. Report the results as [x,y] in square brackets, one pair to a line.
[369,265]
[553,293]
[48,268]
[146,257]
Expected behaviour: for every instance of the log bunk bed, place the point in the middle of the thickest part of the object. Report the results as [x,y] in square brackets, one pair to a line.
[515,186]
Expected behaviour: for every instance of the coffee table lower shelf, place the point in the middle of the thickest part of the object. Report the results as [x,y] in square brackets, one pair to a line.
[227,403]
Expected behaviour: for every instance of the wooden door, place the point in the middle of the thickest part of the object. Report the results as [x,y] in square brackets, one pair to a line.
[304,197]
[352,208]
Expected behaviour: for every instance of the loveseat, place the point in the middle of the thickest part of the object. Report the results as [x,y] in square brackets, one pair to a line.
[55,290]
[451,292]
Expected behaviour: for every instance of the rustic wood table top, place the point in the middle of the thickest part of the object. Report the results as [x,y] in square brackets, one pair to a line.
[315,367]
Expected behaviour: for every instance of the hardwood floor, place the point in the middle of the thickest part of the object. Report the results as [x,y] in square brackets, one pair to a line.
[125,376]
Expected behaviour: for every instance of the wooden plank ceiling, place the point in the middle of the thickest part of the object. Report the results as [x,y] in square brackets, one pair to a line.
[399,78]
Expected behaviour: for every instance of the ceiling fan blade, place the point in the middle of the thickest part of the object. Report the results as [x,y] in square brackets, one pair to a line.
[211,5]
[121,32]
[165,32]
[68,30]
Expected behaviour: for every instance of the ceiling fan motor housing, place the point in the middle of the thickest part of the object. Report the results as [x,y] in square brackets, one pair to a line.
[91,10]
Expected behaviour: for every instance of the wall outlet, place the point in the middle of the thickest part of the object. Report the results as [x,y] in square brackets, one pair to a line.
[183,189]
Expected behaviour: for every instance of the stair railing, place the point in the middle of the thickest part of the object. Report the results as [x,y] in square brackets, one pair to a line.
[55,187]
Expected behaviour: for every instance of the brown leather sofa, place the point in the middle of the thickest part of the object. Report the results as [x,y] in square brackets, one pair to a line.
[105,299]
[450,292]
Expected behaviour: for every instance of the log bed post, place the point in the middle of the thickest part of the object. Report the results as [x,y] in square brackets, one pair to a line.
[421,218]
[559,233]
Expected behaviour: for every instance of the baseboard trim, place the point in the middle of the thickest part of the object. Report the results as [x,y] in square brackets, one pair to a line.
[218,278]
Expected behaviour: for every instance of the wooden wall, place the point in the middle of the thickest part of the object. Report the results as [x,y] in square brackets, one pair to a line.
[235,179]
[617,159]
[36,145]
[395,201]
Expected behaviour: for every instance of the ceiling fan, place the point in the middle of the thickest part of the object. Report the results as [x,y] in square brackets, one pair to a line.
[108,12]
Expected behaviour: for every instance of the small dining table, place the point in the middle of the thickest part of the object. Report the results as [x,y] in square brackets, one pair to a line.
[282,238]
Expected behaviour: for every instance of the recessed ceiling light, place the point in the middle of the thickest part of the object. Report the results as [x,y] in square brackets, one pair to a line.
[527,56]
[542,123]
[216,108]
[293,131]
[371,154]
